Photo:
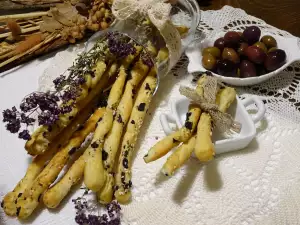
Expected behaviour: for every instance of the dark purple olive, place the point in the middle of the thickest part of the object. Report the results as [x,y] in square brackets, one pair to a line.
[261,70]
[226,68]
[219,43]
[275,60]
[230,54]
[255,54]
[242,49]
[247,69]
[232,39]
[252,34]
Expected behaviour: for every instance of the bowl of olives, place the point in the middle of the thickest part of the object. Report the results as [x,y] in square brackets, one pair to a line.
[243,58]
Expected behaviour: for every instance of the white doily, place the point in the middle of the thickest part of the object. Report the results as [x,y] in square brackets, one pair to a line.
[257,185]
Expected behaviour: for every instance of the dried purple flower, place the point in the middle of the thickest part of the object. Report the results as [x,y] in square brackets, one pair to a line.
[24,135]
[9,115]
[13,126]
[118,45]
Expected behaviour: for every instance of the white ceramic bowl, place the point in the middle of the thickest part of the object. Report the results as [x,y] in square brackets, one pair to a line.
[238,112]
[194,53]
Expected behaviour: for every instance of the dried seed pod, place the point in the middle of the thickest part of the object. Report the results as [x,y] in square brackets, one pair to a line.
[95,27]
[94,19]
[104,25]
[99,14]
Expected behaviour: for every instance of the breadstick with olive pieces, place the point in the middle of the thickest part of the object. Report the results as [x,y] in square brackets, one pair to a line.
[93,171]
[57,192]
[105,196]
[179,157]
[124,109]
[30,198]
[162,147]
[112,142]
[38,144]
[165,145]
[204,148]
[38,163]
[141,105]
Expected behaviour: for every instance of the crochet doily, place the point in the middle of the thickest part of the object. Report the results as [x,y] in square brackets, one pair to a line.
[257,185]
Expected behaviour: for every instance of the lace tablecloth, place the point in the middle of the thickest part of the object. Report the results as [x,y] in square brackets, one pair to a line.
[257,185]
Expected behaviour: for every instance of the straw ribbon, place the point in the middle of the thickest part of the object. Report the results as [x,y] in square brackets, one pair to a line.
[223,121]
[158,11]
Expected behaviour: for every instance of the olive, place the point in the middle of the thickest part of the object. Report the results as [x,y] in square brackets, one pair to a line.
[272,49]
[260,70]
[261,46]
[232,39]
[251,34]
[213,51]
[269,41]
[209,61]
[247,69]
[275,60]
[255,54]
[242,49]
[219,43]
[230,54]
[226,68]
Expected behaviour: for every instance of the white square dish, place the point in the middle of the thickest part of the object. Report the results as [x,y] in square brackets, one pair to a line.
[237,110]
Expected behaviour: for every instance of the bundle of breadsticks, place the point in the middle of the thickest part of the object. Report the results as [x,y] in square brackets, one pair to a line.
[196,134]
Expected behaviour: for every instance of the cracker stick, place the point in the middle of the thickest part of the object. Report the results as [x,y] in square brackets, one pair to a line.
[92,87]
[30,198]
[204,148]
[94,172]
[140,108]
[57,192]
[105,196]
[38,163]
[162,147]
[179,157]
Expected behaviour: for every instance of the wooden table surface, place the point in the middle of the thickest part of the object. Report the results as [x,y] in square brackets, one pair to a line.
[283,14]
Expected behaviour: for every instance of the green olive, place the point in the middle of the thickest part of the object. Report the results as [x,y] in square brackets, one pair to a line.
[209,61]
[261,45]
[272,49]
[230,54]
[213,51]
[269,41]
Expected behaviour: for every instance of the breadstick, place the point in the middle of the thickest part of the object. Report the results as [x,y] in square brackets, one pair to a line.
[204,148]
[183,152]
[94,172]
[53,196]
[124,109]
[141,105]
[38,144]
[56,193]
[162,147]
[179,157]
[38,163]
[30,198]
[112,142]
[105,196]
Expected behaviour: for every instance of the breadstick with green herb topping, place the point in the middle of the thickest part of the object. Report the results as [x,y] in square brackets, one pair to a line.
[141,105]
[38,163]
[30,198]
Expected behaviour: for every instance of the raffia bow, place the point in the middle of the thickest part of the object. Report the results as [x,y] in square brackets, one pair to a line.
[222,121]
[158,11]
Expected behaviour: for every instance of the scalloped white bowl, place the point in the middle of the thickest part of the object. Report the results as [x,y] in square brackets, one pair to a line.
[194,53]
